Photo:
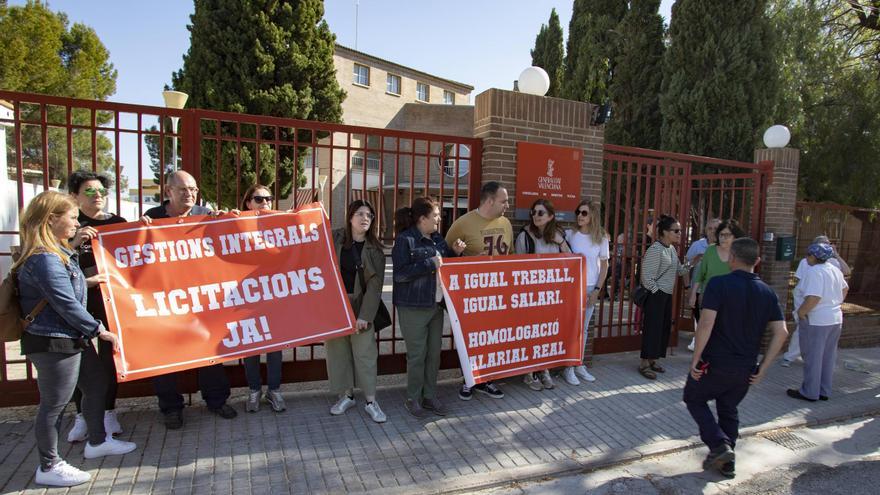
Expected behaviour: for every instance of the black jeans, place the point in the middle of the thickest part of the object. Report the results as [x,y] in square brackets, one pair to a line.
[727,388]
[213,384]
[105,355]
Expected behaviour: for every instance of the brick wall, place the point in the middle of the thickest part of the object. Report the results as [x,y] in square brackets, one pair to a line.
[503,118]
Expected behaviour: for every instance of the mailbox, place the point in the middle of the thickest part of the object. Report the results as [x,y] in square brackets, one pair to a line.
[785,248]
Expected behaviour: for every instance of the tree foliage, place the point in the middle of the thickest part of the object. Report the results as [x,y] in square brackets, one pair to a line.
[591,49]
[635,87]
[42,53]
[548,52]
[265,57]
[720,78]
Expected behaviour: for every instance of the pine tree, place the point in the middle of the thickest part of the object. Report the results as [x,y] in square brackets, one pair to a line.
[265,57]
[547,53]
[720,79]
[635,89]
[591,49]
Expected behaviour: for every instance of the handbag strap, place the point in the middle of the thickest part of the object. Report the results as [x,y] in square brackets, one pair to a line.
[28,318]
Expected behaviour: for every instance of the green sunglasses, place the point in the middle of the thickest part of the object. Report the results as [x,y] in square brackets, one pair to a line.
[92,192]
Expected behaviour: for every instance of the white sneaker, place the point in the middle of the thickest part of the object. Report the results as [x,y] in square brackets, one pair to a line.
[111,446]
[111,423]
[692,344]
[569,377]
[582,372]
[342,405]
[546,380]
[79,432]
[375,412]
[61,474]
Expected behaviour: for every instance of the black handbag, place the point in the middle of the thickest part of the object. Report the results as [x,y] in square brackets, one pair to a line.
[382,320]
[640,296]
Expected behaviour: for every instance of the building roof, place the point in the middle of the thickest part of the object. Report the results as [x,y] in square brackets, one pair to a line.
[340,48]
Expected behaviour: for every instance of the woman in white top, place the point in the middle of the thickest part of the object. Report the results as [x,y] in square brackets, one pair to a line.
[541,236]
[591,241]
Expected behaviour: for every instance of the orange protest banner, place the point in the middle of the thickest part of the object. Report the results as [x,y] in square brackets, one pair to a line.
[189,292]
[515,314]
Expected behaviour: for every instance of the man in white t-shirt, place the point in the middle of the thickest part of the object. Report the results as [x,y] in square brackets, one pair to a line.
[794,347]
[819,320]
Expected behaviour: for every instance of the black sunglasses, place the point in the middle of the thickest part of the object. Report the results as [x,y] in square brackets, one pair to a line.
[539,213]
[583,213]
[677,231]
[263,199]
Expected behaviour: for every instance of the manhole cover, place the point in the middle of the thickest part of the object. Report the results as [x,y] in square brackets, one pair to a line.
[788,440]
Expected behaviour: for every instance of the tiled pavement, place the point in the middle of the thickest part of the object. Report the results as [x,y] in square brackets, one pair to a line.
[528,434]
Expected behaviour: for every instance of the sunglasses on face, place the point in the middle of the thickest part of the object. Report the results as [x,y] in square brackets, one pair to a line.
[262,199]
[676,231]
[92,192]
[539,213]
[583,213]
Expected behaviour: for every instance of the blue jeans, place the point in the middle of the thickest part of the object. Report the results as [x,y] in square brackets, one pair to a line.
[213,384]
[273,371]
[727,388]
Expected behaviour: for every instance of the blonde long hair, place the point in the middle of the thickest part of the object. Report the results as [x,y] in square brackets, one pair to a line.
[36,234]
[595,230]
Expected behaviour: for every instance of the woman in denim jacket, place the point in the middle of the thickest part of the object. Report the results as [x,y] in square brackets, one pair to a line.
[59,340]
[418,253]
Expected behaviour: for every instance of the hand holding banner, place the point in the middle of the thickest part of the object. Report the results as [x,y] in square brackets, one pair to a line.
[515,314]
[188,292]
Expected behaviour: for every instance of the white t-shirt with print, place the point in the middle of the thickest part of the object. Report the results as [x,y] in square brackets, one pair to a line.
[825,281]
[583,244]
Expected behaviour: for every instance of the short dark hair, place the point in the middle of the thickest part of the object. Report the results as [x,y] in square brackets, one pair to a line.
[734,228]
[489,190]
[409,216]
[80,177]
[746,250]
[664,224]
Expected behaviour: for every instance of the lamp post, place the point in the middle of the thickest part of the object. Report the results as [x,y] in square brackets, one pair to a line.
[176,100]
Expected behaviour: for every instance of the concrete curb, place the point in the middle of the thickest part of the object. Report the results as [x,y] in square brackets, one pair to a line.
[613,458]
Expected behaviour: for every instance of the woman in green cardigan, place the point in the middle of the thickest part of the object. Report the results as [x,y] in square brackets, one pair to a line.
[352,359]
[715,260]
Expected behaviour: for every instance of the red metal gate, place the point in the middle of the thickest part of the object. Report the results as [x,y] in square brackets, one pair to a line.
[639,185]
[48,137]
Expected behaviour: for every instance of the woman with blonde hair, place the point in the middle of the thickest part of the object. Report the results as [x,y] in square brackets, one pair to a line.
[591,241]
[59,340]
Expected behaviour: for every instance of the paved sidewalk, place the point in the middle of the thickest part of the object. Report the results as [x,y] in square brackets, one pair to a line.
[483,442]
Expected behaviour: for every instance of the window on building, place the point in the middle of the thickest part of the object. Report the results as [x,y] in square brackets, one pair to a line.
[423,92]
[448,97]
[361,75]
[357,161]
[392,84]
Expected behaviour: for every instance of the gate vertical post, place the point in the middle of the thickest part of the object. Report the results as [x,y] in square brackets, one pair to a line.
[779,216]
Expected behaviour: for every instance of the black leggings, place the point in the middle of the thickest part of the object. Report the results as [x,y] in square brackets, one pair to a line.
[108,368]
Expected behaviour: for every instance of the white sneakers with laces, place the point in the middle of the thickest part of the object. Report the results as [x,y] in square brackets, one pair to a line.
[343,404]
[569,376]
[80,431]
[375,412]
[582,372]
[111,423]
[111,446]
[61,474]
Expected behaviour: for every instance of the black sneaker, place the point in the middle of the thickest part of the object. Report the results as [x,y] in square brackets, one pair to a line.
[173,420]
[415,409]
[224,411]
[718,457]
[728,469]
[434,406]
[465,393]
[489,389]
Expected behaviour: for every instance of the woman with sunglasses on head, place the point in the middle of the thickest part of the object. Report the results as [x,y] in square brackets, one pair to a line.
[351,360]
[89,190]
[541,236]
[659,268]
[59,341]
[590,240]
[259,197]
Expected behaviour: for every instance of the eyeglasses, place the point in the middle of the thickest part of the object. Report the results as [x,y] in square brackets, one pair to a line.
[725,235]
[364,214]
[583,213]
[262,199]
[676,231]
[191,190]
[93,191]
[539,213]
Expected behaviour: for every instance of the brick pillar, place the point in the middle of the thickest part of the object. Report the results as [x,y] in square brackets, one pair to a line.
[503,118]
[779,216]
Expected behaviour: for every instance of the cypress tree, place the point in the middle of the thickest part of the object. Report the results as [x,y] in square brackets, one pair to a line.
[720,78]
[591,53]
[547,53]
[265,57]
[635,89]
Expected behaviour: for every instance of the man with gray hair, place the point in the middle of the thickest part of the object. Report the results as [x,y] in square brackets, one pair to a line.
[737,309]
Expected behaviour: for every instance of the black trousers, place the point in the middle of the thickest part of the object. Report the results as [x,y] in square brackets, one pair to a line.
[108,369]
[656,325]
[727,388]
[213,384]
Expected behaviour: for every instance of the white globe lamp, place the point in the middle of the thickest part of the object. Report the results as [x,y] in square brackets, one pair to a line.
[534,81]
[777,136]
